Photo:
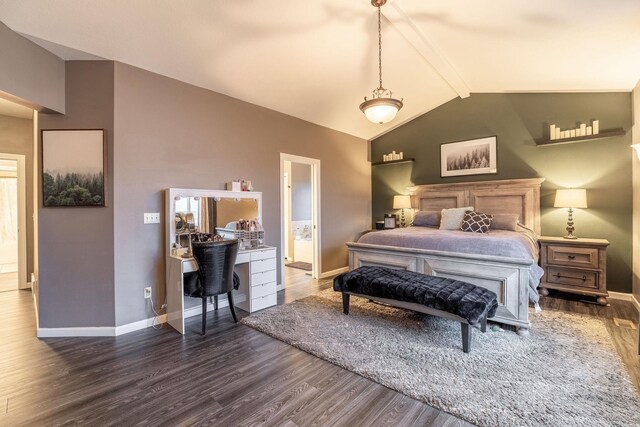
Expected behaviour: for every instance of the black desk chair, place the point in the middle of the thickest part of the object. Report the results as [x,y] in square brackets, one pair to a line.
[215,274]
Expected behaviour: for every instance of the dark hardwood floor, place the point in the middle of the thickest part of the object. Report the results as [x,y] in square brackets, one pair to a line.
[232,376]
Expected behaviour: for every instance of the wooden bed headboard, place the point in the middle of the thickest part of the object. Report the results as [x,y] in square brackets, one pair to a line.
[517,196]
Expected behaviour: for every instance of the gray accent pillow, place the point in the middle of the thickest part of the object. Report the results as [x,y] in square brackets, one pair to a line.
[427,218]
[452,218]
[476,222]
[505,222]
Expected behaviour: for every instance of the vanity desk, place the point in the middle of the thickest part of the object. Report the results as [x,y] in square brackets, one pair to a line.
[255,266]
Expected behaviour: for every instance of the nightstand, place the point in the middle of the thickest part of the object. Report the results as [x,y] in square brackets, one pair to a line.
[577,266]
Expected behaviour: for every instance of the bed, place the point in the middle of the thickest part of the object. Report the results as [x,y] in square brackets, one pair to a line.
[508,269]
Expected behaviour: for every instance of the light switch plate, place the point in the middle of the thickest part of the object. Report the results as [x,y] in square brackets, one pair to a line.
[152,218]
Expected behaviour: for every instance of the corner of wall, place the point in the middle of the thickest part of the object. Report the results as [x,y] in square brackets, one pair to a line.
[635,131]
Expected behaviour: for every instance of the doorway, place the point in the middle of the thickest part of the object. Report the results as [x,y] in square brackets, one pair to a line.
[300,217]
[13,251]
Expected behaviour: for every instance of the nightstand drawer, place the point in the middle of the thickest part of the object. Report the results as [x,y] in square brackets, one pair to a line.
[572,256]
[577,278]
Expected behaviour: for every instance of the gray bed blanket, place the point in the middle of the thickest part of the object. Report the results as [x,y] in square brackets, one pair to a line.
[465,300]
[512,244]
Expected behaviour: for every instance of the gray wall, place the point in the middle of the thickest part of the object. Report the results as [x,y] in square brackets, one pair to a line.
[16,137]
[602,166]
[32,75]
[171,134]
[76,244]
[300,192]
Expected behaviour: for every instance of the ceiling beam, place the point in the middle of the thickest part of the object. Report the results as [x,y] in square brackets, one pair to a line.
[401,22]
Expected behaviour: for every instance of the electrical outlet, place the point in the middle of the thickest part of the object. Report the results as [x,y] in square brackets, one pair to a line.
[152,218]
[147,292]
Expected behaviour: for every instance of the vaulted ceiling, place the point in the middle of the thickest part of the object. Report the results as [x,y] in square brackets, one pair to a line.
[316,60]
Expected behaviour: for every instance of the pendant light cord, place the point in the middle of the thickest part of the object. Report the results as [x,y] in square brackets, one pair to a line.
[379,49]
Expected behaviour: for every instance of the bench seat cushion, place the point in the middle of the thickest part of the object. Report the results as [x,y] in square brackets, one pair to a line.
[463,299]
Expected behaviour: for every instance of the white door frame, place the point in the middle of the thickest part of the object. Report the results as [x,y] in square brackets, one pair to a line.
[315,212]
[22,218]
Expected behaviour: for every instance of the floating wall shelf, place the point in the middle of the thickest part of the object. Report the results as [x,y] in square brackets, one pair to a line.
[606,134]
[392,162]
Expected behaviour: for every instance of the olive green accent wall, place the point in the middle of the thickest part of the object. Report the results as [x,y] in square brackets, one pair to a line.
[601,166]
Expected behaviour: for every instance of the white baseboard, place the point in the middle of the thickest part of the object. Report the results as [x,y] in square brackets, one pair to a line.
[280,287]
[625,297]
[113,331]
[334,272]
[98,331]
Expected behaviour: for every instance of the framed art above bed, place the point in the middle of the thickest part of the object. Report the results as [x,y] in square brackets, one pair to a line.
[472,157]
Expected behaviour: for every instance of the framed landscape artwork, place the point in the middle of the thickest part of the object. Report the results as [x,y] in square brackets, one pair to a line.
[73,167]
[472,157]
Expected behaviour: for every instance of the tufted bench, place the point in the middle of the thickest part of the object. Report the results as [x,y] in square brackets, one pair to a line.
[468,304]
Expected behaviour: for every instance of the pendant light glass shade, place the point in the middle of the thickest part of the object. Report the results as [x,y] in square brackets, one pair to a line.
[382,107]
[381,110]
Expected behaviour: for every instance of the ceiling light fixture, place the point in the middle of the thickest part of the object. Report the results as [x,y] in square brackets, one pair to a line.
[382,107]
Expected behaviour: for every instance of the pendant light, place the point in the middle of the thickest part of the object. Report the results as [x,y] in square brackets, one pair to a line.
[382,107]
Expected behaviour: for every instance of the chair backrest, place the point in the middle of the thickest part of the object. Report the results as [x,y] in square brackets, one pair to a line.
[215,265]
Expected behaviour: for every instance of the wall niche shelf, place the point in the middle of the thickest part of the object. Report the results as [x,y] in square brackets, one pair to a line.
[605,134]
[392,162]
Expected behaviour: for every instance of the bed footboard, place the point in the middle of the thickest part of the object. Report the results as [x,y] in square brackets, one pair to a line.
[507,277]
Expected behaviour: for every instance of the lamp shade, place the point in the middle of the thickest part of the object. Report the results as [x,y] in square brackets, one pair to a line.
[571,198]
[381,110]
[401,202]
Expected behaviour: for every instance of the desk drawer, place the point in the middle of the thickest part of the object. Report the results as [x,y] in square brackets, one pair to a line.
[568,277]
[243,257]
[263,290]
[263,302]
[263,265]
[572,256]
[263,277]
[260,255]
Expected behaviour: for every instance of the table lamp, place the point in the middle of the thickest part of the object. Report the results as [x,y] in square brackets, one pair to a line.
[571,198]
[402,202]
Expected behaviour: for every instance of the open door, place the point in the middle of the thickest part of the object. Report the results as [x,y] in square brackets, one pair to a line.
[300,231]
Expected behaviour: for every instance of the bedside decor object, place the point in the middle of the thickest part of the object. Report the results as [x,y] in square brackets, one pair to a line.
[382,107]
[73,167]
[390,221]
[577,266]
[402,202]
[571,198]
[472,157]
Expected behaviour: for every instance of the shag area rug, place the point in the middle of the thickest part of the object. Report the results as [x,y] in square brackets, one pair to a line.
[567,373]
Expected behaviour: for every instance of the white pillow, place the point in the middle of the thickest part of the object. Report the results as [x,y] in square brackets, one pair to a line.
[452,218]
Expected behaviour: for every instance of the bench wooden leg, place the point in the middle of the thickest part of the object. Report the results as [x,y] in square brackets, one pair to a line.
[345,303]
[466,337]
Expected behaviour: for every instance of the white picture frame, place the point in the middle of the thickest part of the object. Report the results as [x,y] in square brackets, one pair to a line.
[470,157]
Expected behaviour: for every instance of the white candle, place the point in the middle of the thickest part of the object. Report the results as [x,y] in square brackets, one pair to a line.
[583,129]
[589,130]
[402,155]
[596,127]
[573,133]
[552,132]
[558,133]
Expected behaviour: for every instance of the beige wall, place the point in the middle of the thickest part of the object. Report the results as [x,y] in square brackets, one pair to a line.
[16,137]
[636,193]
[172,134]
